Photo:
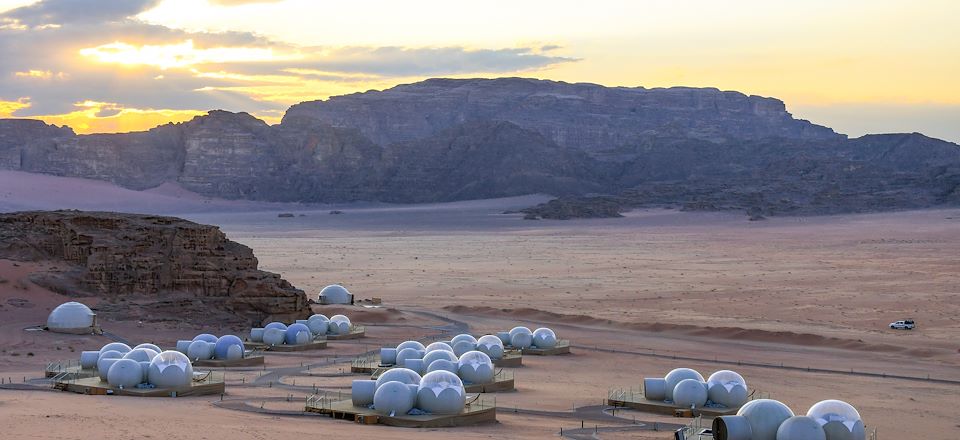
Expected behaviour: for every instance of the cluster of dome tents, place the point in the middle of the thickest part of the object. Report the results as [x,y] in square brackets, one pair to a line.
[206,346]
[522,338]
[143,366]
[431,379]
[401,391]
[301,332]
[686,388]
[468,358]
[766,419]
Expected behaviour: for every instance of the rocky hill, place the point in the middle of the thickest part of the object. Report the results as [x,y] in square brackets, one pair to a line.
[447,139]
[172,268]
[587,117]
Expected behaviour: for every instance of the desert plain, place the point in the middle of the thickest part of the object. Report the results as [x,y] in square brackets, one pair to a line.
[636,296]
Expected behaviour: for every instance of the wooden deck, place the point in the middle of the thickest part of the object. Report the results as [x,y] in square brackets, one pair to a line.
[74,371]
[249,361]
[510,359]
[93,386]
[472,414]
[499,384]
[284,348]
[649,406]
[355,333]
[563,347]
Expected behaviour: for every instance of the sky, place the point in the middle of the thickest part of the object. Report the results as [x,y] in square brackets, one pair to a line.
[858,66]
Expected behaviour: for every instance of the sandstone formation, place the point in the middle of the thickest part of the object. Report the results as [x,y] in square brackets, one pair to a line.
[587,117]
[172,268]
[602,150]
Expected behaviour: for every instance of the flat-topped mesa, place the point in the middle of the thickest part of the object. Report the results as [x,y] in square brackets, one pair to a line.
[156,260]
[588,117]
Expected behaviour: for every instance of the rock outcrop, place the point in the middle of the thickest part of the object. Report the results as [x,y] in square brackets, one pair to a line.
[173,268]
[453,139]
[588,117]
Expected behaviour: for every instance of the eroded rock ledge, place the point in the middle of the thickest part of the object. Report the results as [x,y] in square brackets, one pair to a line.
[169,267]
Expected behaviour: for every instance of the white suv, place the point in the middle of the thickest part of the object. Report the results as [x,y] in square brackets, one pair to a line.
[906,324]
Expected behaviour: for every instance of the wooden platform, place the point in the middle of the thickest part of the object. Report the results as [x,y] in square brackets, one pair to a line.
[249,361]
[365,365]
[362,369]
[355,333]
[499,384]
[74,371]
[563,347]
[510,359]
[669,408]
[284,348]
[478,412]
[93,386]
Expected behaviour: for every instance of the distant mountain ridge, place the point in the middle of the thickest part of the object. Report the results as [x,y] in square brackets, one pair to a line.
[452,139]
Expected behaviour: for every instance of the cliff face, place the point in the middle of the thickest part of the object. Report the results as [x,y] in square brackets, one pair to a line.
[445,139]
[867,174]
[157,261]
[586,117]
[18,135]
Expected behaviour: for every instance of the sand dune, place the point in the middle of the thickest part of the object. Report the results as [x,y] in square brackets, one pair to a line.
[20,191]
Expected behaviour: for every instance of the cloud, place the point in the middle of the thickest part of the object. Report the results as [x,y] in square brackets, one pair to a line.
[58,53]
[348,62]
[61,12]
[8,108]
[240,2]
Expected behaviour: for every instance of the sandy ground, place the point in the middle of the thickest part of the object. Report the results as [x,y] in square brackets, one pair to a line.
[21,191]
[801,292]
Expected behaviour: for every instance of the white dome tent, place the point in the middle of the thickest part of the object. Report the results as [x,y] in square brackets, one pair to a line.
[441,392]
[318,324]
[335,294]
[800,428]
[690,393]
[298,334]
[839,419]
[228,347]
[170,369]
[72,317]
[339,325]
[394,398]
[544,338]
[490,345]
[476,367]
[727,388]
[125,373]
[757,420]
[675,376]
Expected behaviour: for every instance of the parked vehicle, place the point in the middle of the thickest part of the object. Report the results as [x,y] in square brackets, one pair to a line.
[906,324]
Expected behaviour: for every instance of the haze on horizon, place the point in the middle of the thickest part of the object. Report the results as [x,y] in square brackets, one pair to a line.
[102,66]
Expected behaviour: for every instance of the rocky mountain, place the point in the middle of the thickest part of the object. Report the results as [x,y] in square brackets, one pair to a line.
[452,139]
[172,268]
[587,117]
